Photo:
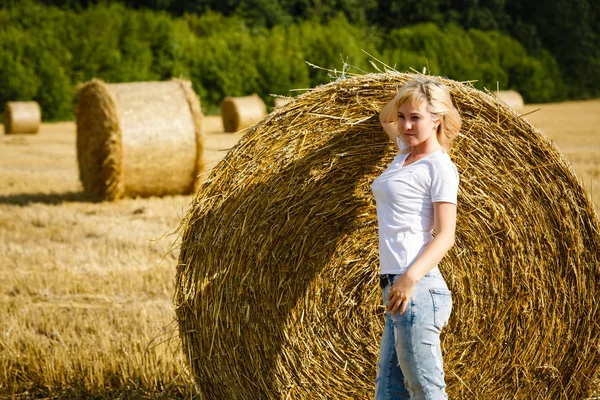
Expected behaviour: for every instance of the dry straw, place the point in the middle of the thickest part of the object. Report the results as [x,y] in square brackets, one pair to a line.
[242,112]
[277,293]
[512,98]
[138,139]
[22,117]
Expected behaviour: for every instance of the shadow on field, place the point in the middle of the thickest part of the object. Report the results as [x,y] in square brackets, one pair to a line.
[25,199]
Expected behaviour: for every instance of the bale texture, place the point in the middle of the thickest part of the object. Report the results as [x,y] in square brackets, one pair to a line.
[242,112]
[512,98]
[138,139]
[22,117]
[276,291]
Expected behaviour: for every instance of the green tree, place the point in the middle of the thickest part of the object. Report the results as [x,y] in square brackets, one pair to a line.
[490,58]
[18,79]
[569,30]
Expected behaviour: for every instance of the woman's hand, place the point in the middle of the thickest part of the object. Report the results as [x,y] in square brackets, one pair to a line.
[400,293]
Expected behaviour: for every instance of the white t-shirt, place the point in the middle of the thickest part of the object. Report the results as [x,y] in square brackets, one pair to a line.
[404,197]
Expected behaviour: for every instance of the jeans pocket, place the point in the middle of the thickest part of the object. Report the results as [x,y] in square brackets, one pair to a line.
[442,306]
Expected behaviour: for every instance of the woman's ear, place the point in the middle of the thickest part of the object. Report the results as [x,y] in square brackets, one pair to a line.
[439,122]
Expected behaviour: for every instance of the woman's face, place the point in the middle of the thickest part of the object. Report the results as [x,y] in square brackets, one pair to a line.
[415,124]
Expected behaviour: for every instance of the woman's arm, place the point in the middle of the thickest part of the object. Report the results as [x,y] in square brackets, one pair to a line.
[388,117]
[444,215]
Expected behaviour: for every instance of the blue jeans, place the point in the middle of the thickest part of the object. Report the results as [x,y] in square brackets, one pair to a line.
[410,358]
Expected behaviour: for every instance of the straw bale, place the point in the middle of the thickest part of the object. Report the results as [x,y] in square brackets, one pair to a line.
[281,101]
[138,139]
[276,292]
[512,98]
[22,117]
[242,112]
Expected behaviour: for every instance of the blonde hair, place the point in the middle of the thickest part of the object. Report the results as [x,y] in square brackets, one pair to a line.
[437,97]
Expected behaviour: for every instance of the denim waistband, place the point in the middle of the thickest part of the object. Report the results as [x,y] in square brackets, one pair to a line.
[388,279]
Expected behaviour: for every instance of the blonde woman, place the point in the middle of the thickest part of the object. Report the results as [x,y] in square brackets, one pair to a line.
[416,195]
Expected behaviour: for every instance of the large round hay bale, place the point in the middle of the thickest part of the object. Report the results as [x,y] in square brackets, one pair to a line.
[242,112]
[511,98]
[276,291]
[138,139]
[22,117]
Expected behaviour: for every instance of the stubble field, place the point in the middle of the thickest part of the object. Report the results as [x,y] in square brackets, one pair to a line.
[86,288]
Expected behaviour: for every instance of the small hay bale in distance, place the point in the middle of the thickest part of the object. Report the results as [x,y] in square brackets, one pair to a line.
[511,98]
[276,292]
[138,139]
[242,112]
[281,101]
[22,117]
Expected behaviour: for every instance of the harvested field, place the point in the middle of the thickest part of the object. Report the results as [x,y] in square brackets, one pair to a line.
[574,127]
[86,302]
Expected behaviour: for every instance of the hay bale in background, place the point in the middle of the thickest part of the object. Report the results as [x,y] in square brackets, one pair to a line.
[138,139]
[22,117]
[512,98]
[281,101]
[241,112]
[276,292]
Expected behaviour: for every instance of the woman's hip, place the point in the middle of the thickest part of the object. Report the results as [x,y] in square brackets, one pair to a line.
[430,304]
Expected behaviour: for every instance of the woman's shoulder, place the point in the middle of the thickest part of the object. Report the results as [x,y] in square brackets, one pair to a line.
[441,163]
[440,158]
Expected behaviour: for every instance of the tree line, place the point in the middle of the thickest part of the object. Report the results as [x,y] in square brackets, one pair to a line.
[568,29]
[237,47]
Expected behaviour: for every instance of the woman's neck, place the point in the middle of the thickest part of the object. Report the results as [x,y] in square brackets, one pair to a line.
[425,148]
